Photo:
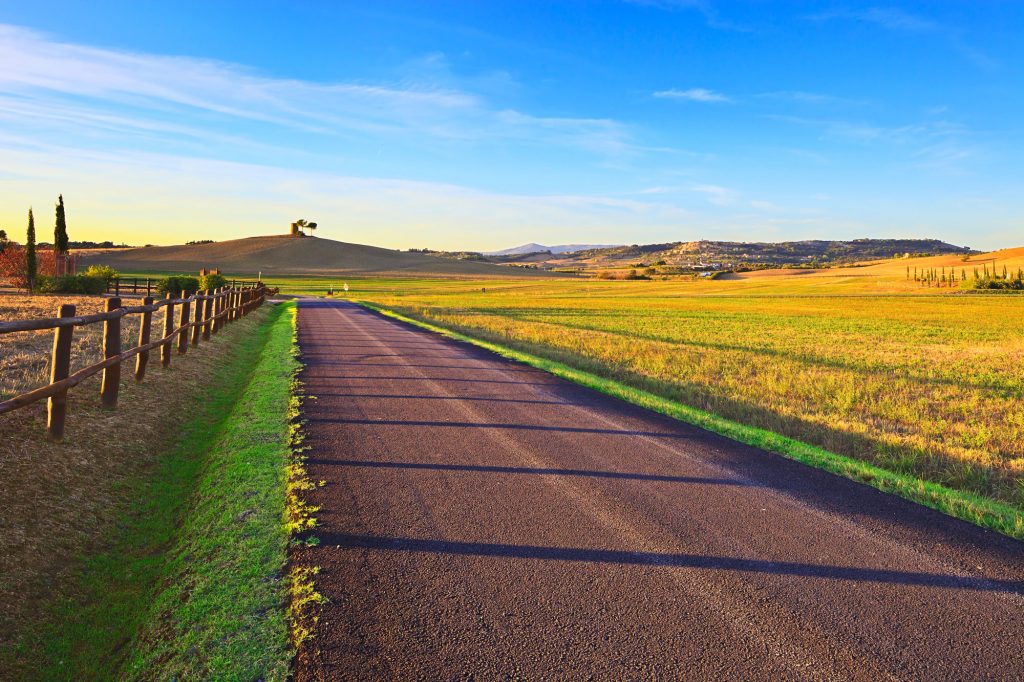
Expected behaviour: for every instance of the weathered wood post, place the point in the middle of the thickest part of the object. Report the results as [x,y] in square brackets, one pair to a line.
[186,315]
[165,349]
[197,329]
[60,367]
[142,359]
[216,310]
[149,287]
[231,305]
[207,314]
[111,347]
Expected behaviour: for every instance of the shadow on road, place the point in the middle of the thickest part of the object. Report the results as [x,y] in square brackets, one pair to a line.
[935,580]
[517,427]
[527,470]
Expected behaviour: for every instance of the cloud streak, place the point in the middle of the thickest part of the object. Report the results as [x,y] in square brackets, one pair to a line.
[97,86]
[692,95]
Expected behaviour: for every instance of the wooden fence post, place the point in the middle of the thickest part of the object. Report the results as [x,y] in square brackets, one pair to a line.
[207,314]
[142,359]
[165,350]
[111,347]
[60,367]
[216,310]
[231,305]
[197,329]
[186,315]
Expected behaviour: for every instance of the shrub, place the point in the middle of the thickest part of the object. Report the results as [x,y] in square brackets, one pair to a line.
[14,264]
[212,282]
[71,284]
[104,272]
[176,284]
[991,283]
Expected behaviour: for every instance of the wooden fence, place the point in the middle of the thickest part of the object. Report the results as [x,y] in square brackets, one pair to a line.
[213,310]
[145,286]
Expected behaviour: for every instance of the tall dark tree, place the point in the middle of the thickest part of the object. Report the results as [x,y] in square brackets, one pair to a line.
[60,230]
[31,266]
[3,239]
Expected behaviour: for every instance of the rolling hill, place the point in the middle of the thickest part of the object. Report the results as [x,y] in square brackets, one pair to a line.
[294,256]
[534,247]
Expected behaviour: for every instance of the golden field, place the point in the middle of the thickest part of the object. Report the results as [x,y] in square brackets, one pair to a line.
[25,356]
[859,361]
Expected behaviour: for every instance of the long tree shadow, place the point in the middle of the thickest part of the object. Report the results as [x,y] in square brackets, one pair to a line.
[498,425]
[359,363]
[477,468]
[458,398]
[353,377]
[670,560]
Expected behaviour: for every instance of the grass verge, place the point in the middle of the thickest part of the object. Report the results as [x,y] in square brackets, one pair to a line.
[194,586]
[976,509]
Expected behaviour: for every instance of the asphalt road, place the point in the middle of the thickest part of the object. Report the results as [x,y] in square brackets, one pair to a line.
[483,520]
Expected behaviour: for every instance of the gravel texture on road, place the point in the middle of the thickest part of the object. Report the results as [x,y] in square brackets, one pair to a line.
[482,519]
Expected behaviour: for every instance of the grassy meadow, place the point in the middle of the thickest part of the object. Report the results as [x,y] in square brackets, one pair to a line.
[859,361]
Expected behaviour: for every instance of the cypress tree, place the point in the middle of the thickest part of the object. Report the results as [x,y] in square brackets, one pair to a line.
[1004,273]
[31,266]
[60,230]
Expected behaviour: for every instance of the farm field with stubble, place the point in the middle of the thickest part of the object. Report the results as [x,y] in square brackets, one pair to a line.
[924,383]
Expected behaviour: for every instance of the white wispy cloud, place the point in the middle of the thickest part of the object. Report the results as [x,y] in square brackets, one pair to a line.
[98,87]
[815,98]
[899,20]
[933,144]
[715,194]
[693,95]
[712,17]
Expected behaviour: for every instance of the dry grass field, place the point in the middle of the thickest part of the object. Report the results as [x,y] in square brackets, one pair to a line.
[856,360]
[25,356]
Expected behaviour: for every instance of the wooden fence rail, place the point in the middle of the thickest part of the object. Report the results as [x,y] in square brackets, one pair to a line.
[138,286]
[212,310]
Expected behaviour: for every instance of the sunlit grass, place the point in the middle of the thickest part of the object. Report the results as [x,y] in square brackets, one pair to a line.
[922,385]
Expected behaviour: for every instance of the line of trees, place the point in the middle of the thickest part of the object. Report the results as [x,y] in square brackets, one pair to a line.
[23,265]
[983,278]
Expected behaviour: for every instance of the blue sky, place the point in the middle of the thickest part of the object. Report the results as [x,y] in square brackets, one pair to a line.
[481,125]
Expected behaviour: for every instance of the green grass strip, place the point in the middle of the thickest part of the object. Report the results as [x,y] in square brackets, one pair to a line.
[976,509]
[221,612]
[193,585]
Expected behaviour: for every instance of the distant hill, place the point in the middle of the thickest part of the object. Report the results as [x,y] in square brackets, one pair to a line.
[533,247]
[725,255]
[295,256]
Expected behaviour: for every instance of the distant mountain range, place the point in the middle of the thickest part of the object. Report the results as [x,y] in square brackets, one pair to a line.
[533,247]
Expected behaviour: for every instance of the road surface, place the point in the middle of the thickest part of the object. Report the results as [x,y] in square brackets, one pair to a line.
[482,519]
